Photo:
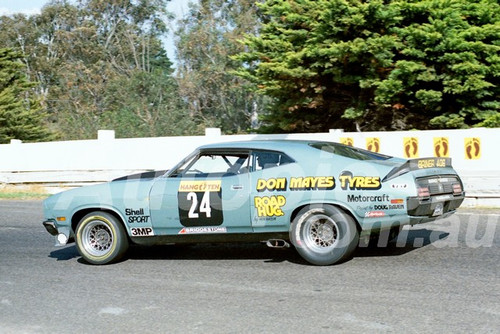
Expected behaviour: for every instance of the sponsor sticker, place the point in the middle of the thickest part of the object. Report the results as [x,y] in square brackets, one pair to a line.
[203,229]
[472,148]
[352,182]
[349,141]
[270,206]
[374,214]
[272,184]
[373,144]
[296,183]
[441,147]
[312,183]
[199,186]
[410,145]
[200,203]
[360,198]
[399,186]
[142,231]
[136,216]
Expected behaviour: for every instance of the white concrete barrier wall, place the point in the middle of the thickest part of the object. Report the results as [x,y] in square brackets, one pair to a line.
[475,154]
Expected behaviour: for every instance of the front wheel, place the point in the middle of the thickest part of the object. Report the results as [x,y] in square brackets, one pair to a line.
[100,238]
[324,234]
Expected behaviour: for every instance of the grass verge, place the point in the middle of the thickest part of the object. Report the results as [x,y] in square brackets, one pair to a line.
[22,192]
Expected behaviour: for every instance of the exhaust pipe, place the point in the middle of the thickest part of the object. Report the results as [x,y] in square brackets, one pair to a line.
[277,243]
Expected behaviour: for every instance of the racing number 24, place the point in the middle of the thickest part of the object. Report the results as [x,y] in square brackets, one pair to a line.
[204,205]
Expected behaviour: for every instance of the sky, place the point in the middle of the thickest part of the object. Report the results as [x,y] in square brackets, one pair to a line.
[29,7]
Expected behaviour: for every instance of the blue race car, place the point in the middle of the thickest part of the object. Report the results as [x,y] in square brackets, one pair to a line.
[318,196]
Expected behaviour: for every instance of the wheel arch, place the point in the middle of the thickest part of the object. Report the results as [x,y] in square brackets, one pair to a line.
[79,214]
[344,209]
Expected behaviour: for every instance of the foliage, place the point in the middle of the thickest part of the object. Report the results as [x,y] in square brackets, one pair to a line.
[95,61]
[377,64]
[20,113]
[207,37]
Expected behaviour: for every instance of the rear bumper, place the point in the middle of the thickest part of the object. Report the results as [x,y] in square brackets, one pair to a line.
[422,211]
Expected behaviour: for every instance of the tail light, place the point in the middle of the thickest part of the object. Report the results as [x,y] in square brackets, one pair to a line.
[423,192]
[457,189]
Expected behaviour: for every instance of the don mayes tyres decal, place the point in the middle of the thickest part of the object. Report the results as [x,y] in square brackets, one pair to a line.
[200,203]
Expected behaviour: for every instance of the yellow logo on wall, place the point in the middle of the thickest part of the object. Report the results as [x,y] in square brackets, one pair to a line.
[373,144]
[347,141]
[441,147]
[472,148]
[410,145]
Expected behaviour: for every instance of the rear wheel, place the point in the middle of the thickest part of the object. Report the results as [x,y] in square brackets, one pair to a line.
[324,234]
[101,238]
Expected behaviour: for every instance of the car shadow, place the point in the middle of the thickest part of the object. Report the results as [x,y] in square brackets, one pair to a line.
[65,253]
[407,241]
[209,251]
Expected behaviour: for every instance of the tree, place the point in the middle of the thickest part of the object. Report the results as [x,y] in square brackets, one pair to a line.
[101,64]
[206,39]
[20,114]
[375,65]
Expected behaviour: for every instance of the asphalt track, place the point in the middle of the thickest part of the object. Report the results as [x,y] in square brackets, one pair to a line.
[442,277]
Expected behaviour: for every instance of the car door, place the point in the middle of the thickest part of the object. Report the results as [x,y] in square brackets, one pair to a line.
[270,194]
[208,194]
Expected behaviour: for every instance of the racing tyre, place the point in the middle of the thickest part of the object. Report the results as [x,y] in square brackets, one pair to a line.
[101,238]
[324,234]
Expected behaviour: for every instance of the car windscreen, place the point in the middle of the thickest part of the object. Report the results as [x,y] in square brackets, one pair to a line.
[349,151]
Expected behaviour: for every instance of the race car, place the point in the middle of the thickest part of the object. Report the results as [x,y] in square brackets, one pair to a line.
[317,196]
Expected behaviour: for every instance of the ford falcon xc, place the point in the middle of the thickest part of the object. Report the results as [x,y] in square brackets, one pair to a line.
[318,196]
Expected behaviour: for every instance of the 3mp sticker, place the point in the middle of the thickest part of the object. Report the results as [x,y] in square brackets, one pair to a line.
[200,203]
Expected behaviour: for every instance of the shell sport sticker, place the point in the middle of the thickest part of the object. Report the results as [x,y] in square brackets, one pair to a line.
[441,147]
[410,145]
[200,203]
[472,148]
[347,141]
[373,144]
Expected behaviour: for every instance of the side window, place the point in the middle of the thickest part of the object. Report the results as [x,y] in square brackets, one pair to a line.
[269,159]
[217,164]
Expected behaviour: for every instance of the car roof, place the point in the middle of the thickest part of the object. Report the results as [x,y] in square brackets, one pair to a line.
[274,144]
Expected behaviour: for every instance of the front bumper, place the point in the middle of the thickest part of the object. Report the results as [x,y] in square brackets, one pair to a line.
[50,226]
[61,234]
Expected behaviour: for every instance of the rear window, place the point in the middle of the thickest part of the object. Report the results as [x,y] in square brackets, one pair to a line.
[349,151]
